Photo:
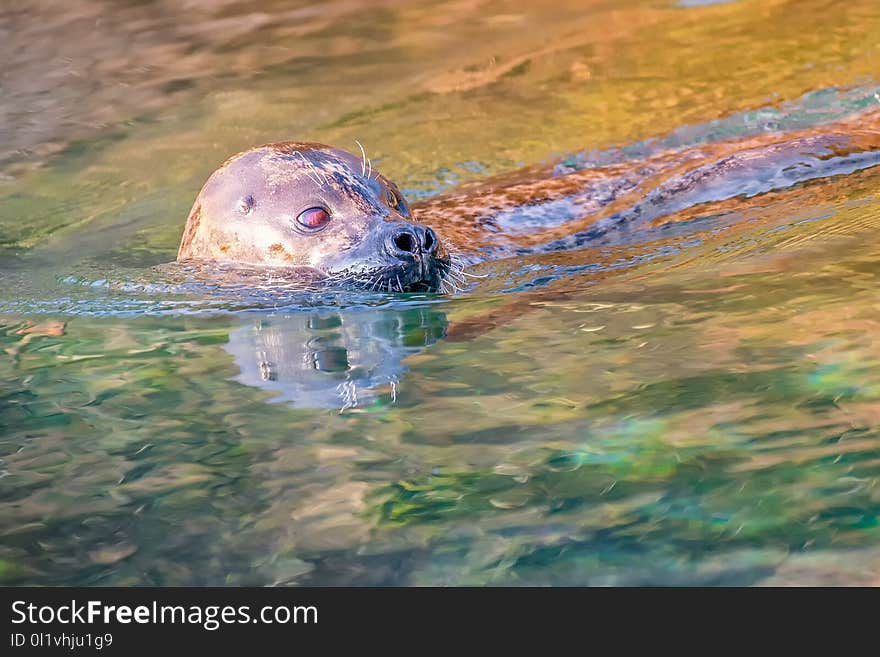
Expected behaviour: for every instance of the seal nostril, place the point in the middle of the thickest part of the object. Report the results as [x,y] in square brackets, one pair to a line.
[430,241]
[406,242]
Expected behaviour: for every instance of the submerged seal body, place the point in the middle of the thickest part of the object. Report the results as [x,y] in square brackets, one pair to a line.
[315,209]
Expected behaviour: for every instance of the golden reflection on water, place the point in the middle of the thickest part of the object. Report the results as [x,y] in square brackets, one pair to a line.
[413,82]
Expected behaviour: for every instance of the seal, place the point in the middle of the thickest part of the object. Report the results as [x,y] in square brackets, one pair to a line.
[316,210]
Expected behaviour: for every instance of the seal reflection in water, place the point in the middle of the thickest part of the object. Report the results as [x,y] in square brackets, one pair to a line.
[321,213]
[329,359]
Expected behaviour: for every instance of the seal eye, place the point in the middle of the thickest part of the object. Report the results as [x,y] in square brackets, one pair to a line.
[313,218]
[393,201]
[396,202]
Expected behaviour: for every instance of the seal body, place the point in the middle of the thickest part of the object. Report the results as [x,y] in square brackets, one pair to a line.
[316,209]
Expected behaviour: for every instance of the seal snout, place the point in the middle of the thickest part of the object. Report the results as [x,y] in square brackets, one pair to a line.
[406,241]
[416,253]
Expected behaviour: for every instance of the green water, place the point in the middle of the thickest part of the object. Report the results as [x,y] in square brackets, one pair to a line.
[699,408]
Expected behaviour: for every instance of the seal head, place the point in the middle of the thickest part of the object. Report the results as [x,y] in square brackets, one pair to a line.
[315,208]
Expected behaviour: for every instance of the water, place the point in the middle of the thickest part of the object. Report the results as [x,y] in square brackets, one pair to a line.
[697,406]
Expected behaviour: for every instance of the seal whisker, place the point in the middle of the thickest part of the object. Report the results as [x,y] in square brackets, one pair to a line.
[461,270]
[306,162]
[309,168]
[450,280]
[398,283]
[454,275]
[364,156]
[322,173]
[366,163]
